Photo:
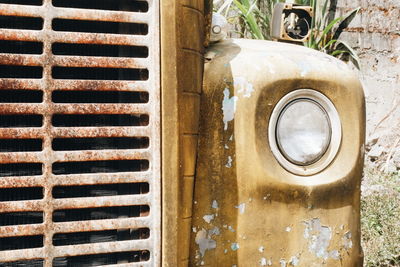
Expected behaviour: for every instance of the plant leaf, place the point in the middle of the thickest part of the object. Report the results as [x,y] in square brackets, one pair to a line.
[328,29]
[354,58]
[347,19]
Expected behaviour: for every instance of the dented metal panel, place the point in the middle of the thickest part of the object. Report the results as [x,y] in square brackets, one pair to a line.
[100,223]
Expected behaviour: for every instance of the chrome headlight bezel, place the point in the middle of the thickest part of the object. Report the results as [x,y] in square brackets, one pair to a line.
[335,135]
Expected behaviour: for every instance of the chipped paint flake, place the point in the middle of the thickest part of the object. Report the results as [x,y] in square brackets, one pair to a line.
[214,204]
[263,262]
[318,237]
[243,86]
[282,262]
[334,254]
[226,146]
[208,218]
[204,241]
[228,108]
[235,246]
[294,261]
[230,228]
[241,207]
[229,162]
[288,229]
[194,229]
[225,251]
[346,240]
[214,231]
[261,249]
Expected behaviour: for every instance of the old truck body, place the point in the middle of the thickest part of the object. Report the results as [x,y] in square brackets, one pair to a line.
[103,116]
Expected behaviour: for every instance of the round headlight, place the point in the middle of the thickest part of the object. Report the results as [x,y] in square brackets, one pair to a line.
[304,132]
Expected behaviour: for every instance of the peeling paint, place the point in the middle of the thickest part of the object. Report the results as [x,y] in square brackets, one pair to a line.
[214,231]
[261,249]
[214,204]
[228,108]
[235,246]
[334,254]
[282,262]
[231,138]
[225,251]
[229,162]
[243,86]
[194,229]
[346,240]
[288,229]
[263,262]
[294,261]
[319,237]
[204,241]
[208,218]
[226,147]
[241,207]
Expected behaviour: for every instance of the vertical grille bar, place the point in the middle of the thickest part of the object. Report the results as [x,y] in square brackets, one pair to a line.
[81,82]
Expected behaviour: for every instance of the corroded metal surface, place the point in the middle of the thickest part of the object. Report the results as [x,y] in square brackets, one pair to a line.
[48,179]
[249,210]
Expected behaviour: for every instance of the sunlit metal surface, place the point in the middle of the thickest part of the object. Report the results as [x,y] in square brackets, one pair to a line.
[115,224]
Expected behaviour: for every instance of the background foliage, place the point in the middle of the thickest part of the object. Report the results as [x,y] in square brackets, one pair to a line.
[253,20]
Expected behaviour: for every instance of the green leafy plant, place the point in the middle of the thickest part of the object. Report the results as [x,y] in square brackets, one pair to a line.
[255,19]
[325,34]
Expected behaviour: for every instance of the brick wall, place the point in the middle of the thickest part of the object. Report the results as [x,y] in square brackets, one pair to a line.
[375,33]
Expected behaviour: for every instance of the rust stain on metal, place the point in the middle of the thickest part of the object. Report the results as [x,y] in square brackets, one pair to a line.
[46,131]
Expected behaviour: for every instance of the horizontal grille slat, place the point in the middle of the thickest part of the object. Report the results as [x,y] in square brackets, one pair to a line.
[21,181]
[105,178]
[16,255]
[110,224]
[100,85]
[21,157]
[22,108]
[101,131]
[20,10]
[100,108]
[97,62]
[21,230]
[100,15]
[19,206]
[17,59]
[100,38]
[21,84]
[21,35]
[100,202]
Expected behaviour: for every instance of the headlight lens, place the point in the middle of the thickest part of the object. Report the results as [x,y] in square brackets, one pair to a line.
[303,132]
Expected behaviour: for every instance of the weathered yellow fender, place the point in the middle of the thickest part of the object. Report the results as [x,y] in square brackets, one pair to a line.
[250,210]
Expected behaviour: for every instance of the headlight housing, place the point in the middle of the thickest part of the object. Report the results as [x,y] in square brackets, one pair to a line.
[304,132]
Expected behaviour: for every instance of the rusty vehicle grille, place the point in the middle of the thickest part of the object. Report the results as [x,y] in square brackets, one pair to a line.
[79,133]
